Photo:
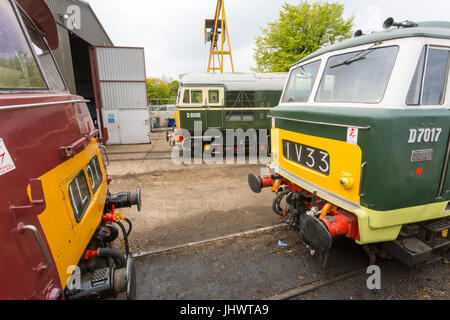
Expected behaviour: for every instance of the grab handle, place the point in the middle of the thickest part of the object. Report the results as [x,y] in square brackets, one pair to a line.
[22,228]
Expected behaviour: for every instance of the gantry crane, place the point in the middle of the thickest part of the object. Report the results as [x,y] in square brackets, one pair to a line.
[216,32]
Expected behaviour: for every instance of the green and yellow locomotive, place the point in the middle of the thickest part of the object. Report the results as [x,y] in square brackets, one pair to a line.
[360,143]
[226,101]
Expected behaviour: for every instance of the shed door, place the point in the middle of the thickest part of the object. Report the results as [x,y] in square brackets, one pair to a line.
[121,90]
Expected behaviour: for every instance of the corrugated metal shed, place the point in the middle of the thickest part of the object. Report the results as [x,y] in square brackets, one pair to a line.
[91,30]
[124,95]
[121,73]
[112,78]
[124,64]
[238,81]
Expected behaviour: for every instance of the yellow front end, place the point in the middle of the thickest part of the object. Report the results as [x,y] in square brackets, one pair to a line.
[177,119]
[68,238]
[340,186]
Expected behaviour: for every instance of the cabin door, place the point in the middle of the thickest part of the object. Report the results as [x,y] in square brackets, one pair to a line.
[214,99]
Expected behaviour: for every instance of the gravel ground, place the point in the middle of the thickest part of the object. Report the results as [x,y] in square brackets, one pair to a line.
[185,203]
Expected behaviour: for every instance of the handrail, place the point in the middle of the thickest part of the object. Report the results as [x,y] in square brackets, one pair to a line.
[22,228]
[322,123]
[42,104]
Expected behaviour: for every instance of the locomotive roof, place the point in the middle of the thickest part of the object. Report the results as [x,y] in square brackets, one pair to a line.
[237,81]
[428,29]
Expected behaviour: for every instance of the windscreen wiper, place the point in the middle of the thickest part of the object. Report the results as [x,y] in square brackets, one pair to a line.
[347,62]
[304,72]
[357,57]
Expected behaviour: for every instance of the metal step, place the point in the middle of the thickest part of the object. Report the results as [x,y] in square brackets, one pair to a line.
[441,243]
[411,250]
[439,225]
[432,235]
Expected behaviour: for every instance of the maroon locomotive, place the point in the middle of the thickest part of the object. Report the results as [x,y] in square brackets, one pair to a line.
[57,217]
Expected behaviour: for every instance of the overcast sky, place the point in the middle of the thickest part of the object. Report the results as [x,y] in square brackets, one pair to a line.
[171,31]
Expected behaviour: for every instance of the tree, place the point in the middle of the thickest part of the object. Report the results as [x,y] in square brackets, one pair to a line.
[300,30]
[161,91]
[173,89]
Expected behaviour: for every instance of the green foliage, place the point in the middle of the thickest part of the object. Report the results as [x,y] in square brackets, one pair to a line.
[300,30]
[160,89]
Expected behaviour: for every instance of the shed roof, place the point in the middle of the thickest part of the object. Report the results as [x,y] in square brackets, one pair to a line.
[238,81]
[91,30]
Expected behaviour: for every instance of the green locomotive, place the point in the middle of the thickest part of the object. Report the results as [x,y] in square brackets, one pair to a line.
[226,101]
[360,143]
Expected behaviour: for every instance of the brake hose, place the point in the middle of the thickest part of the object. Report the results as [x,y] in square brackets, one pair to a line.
[125,236]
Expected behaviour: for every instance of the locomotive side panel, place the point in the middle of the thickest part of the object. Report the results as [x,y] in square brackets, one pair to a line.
[33,140]
[67,233]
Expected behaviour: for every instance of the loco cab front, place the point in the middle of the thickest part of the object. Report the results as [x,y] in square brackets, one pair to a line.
[58,221]
[360,143]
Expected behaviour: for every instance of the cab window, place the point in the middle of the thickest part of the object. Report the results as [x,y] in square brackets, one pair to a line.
[186,96]
[196,96]
[357,77]
[213,96]
[79,195]
[300,83]
[430,78]
[44,56]
[18,68]
[95,174]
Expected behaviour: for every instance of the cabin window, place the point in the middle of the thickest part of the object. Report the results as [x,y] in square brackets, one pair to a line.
[357,77]
[300,83]
[186,97]
[18,68]
[213,96]
[45,57]
[196,96]
[95,174]
[430,78]
[79,195]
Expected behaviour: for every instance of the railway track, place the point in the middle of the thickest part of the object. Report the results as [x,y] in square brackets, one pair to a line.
[208,246]
[310,286]
[209,241]
[252,265]
[139,159]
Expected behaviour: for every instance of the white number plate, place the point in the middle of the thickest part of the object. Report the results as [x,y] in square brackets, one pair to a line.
[424,135]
